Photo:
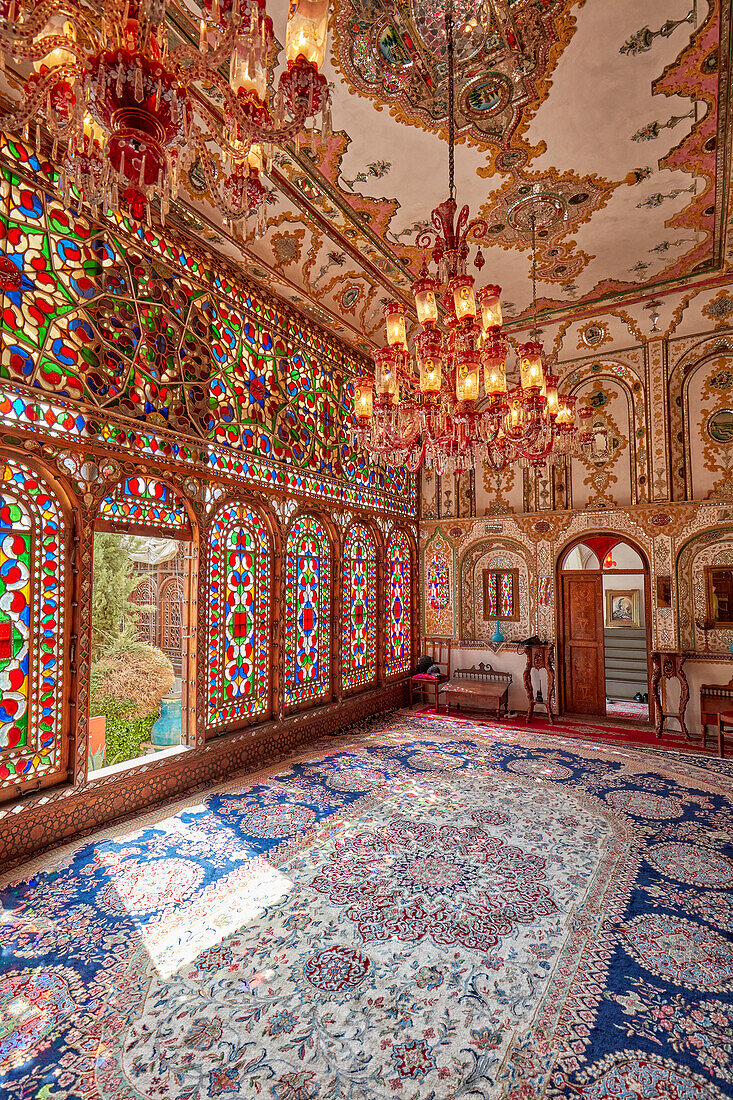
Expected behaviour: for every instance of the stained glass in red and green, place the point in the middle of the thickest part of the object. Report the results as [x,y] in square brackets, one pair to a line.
[144,502]
[239,615]
[359,611]
[32,580]
[506,595]
[165,340]
[398,596]
[307,611]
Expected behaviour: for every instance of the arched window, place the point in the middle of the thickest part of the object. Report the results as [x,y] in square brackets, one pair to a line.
[398,604]
[307,611]
[239,614]
[32,594]
[359,610]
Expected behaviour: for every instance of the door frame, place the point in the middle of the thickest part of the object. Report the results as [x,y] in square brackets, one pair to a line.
[560,610]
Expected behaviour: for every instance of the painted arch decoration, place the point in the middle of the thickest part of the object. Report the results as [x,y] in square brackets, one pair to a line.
[239,616]
[359,610]
[399,604]
[32,597]
[308,569]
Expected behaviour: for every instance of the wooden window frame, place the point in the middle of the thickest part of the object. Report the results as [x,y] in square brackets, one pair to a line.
[514,574]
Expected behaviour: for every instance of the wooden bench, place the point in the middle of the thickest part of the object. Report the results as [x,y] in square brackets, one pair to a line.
[715,700]
[480,686]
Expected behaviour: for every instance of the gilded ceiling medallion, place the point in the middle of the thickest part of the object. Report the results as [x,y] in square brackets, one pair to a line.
[396,51]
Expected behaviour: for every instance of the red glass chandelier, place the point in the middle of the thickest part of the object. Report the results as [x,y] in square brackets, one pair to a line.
[453,408]
[126,116]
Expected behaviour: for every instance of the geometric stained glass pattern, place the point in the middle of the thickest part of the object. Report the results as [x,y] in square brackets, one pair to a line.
[359,609]
[32,591]
[307,611]
[239,615]
[157,336]
[398,592]
[144,502]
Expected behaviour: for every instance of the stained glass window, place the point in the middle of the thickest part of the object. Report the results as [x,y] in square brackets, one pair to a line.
[32,584]
[240,609]
[501,597]
[307,611]
[398,598]
[359,612]
[438,582]
[144,502]
[159,336]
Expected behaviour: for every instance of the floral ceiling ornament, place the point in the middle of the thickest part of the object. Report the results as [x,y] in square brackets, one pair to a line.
[653,129]
[644,38]
[439,415]
[127,116]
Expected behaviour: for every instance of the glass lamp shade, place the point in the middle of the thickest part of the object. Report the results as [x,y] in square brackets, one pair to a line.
[467,376]
[394,317]
[385,373]
[494,377]
[425,301]
[515,416]
[566,412]
[493,359]
[488,297]
[428,350]
[307,31]
[363,398]
[255,158]
[553,401]
[59,26]
[531,370]
[464,300]
[248,70]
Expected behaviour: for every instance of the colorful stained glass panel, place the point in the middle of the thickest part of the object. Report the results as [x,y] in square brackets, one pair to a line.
[359,611]
[398,596]
[307,612]
[239,614]
[32,580]
[144,502]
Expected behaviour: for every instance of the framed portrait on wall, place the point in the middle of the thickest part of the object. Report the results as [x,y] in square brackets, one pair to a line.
[622,608]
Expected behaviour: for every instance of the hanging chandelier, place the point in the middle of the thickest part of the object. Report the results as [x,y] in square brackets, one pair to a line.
[453,409]
[127,116]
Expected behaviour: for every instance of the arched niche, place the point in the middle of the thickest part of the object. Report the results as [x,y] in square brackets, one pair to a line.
[706,397]
[697,559]
[493,556]
[615,471]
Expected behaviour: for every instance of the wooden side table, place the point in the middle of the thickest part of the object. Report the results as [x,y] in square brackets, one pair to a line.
[668,665]
[540,657]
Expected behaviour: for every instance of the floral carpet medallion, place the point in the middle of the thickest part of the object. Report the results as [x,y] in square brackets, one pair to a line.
[423,910]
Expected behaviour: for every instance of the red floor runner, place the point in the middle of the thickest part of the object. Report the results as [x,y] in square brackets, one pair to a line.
[588,730]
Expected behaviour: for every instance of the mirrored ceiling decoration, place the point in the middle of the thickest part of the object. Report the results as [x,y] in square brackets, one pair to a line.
[395,50]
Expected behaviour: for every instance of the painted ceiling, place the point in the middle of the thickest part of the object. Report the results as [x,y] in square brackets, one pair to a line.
[607,120]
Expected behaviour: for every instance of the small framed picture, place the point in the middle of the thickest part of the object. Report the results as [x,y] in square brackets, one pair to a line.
[622,607]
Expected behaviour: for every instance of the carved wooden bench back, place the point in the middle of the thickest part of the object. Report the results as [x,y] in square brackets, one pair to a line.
[483,672]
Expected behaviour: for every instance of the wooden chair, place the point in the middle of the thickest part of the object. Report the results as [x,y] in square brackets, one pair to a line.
[424,684]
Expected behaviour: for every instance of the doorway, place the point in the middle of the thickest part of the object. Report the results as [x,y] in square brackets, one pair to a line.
[604,630]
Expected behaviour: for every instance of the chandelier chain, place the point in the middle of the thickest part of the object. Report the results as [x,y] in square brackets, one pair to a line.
[451,98]
[533,224]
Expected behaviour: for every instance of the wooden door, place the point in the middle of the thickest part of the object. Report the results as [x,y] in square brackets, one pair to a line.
[583,656]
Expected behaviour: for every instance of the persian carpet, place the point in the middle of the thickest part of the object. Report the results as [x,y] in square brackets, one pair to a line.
[424,909]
